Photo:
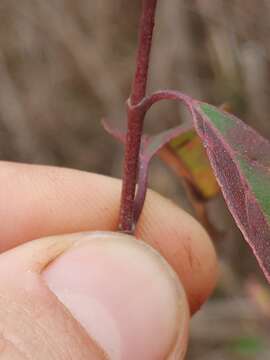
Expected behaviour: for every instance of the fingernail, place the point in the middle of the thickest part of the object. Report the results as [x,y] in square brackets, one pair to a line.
[124,294]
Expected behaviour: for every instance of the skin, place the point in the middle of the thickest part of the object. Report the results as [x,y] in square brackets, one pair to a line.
[39,202]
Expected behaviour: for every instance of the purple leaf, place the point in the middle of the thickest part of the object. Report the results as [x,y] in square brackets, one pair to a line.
[240,158]
[155,143]
[151,145]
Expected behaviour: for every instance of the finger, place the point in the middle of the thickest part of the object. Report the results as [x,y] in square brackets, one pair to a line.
[33,323]
[37,201]
[90,296]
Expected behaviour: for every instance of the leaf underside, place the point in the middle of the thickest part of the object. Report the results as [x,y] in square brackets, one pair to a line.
[240,158]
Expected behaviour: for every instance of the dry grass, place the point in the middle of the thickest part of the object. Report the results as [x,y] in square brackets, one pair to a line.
[64,64]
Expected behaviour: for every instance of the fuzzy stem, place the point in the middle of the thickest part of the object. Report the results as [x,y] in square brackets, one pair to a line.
[136,117]
[147,24]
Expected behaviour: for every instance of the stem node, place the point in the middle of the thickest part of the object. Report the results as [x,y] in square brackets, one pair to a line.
[136,114]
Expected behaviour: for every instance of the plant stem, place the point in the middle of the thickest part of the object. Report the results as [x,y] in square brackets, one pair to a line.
[147,24]
[136,117]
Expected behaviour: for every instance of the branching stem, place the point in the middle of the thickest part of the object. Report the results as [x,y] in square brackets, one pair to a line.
[136,116]
[137,106]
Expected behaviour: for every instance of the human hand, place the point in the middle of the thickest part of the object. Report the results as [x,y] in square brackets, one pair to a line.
[87,295]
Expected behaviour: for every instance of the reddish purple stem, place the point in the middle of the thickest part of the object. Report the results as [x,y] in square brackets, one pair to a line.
[137,106]
[136,116]
[147,24]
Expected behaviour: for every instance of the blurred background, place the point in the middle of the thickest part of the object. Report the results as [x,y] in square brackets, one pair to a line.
[65,64]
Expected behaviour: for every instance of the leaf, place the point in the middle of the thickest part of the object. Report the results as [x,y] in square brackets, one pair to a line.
[240,158]
[189,149]
[186,157]
[151,145]
[154,143]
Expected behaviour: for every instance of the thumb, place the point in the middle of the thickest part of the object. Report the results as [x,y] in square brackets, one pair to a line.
[77,294]
[123,293]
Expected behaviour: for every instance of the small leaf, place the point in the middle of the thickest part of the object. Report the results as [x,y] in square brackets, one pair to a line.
[155,143]
[151,145]
[189,149]
[240,158]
